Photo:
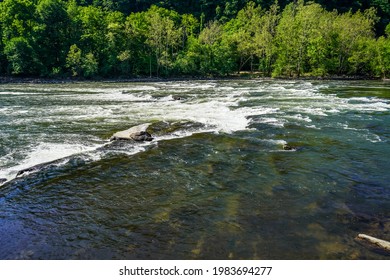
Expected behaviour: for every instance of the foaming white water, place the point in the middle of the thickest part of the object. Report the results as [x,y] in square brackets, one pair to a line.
[213,114]
[224,107]
[45,152]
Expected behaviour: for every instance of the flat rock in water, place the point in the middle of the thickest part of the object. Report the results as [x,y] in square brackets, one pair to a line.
[136,133]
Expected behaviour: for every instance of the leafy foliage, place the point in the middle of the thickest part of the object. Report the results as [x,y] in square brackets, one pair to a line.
[106,38]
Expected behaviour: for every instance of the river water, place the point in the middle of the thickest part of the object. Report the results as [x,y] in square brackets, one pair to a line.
[215,183]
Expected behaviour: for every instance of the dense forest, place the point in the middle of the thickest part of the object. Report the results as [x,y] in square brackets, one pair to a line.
[107,38]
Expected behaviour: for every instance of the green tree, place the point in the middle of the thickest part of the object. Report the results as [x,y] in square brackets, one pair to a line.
[265,38]
[17,19]
[75,26]
[352,32]
[22,59]
[216,56]
[3,60]
[93,36]
[116,60]
[163,37]
[310,39]
[188,60]
[241,32]
[291,41]
[90,65]
[380,63]
[80,64]
[74,60]
[136,55]
[52,34]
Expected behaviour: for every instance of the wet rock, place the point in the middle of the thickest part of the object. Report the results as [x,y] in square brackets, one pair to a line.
[287,147]
[74,162]
[136,133]
[34,168]
[141,136]
[3,180]
[164,128]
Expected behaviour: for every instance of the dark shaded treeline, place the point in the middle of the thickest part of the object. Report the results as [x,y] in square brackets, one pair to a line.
[215,9]
[218,9]
[104,38]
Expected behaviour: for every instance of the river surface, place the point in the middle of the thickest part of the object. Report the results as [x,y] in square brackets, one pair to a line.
[215,183]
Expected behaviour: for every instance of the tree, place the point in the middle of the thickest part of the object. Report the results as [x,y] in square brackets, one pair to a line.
[3,60]
[116,60]
[265,38]
[215,53]
[52,34]
[351,32]
[22,59]
[163,37]
[74,60]
[80,64]
[381,49]
[291,41]
[93,34]
[137,53]
[242,31]
[17,19]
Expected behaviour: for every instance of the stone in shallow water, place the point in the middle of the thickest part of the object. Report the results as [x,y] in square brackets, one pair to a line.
[287,147]
[141,136]
[164,128]
[136,133]
[3,180]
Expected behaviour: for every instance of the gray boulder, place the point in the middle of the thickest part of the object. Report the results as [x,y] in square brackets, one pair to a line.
[141,136]
[135,133]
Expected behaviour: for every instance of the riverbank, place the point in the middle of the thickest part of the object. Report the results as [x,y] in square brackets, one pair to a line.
[241,76]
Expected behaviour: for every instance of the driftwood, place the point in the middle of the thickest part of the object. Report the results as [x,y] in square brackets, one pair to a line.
[375,244]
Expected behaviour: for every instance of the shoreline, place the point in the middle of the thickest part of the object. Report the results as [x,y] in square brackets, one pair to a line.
[246,76]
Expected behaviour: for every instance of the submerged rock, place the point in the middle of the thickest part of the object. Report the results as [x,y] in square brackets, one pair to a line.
[136,133]
[287,147]
[164,128]
[34,168]
[38,167]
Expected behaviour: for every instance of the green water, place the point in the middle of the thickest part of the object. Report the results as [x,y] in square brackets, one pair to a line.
[214,184]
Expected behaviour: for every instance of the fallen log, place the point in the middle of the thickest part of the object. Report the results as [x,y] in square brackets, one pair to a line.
[375,244]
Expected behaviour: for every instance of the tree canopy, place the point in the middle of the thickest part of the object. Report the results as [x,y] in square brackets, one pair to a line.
[106,38]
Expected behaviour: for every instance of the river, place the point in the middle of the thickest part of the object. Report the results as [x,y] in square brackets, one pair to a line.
[216,181]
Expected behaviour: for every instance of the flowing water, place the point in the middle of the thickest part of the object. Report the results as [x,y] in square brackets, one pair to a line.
[215,183]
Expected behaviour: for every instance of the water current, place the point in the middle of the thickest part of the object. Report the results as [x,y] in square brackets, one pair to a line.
[216,181]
